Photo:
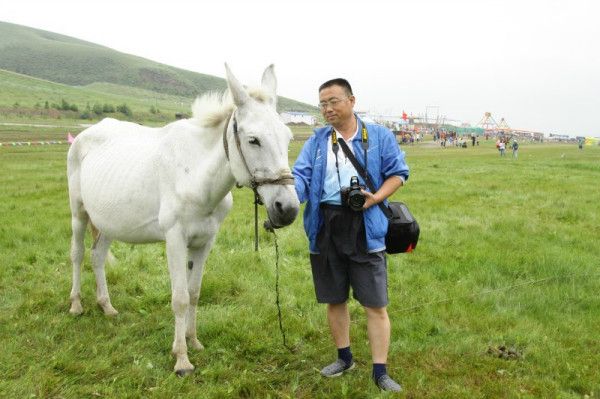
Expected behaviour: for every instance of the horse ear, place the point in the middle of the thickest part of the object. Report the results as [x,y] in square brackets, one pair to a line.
[269,82]
[239,94]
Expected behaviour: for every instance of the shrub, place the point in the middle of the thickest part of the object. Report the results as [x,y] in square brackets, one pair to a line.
[124,109]
[108,108]
[98,109]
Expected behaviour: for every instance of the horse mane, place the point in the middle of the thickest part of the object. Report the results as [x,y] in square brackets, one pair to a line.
[213,108]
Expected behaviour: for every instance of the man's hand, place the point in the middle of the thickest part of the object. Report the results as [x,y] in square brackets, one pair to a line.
[388,188]
[370,199]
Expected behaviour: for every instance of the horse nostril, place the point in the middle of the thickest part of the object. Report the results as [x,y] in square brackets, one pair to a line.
[282,213]
[279,206]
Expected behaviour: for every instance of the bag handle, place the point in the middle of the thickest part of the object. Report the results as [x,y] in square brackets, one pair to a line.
[386,211]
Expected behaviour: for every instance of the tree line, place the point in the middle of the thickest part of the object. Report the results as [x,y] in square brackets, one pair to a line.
[90,111]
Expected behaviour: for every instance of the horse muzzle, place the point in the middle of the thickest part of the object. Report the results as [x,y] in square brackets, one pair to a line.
[282,213]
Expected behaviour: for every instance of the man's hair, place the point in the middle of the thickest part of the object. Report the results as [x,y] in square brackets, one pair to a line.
[338,82]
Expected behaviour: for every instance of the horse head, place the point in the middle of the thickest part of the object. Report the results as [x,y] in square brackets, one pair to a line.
[258,141]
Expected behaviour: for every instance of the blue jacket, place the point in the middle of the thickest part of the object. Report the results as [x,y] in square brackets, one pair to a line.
[385,160]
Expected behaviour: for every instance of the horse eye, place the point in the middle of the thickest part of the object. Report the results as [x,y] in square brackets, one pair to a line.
[254,141]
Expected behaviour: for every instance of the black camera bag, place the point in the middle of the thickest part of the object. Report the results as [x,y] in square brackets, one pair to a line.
[403,229]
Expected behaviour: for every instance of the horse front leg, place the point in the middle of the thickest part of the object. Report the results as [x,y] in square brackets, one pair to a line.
[197,258]
[180,299]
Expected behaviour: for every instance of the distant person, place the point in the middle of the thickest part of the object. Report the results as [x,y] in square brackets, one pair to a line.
[501,148]
[472,139]
[515,149]
[580,143]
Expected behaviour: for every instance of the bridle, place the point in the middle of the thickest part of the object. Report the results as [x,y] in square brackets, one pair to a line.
[283,179]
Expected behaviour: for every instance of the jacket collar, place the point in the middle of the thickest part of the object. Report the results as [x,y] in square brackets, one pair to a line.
[325,131]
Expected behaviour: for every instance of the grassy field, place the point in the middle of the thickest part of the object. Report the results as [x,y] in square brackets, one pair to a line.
[508,258]
[28,91]
[23,98]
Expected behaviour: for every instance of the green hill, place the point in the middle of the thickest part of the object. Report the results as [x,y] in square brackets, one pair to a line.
[18,90]
[70,61]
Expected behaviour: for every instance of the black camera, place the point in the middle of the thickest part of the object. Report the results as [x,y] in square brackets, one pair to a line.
[352,196]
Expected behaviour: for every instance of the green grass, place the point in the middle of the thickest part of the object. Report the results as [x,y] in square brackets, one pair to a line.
[22,98]
[508,255]
[28,92]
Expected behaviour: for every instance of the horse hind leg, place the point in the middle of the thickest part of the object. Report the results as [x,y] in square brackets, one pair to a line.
[78,224]
[110,258]
[100,250]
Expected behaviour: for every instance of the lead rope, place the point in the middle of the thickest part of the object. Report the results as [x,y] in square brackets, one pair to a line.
[279,316]
[268,226]
[270,229]
[256,202]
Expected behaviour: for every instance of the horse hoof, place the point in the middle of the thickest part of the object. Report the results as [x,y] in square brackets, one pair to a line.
[196,345]
[107,308]
[184,372]
[111,312]
[76,309]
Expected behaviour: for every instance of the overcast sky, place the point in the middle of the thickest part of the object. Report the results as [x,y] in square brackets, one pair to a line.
[535,63]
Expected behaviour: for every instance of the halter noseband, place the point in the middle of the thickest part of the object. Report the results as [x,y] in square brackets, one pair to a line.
[283,179]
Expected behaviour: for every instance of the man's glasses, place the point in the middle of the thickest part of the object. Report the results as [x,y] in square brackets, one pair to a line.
[331,103]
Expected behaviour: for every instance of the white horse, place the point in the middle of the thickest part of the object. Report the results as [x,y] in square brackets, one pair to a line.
[138,184]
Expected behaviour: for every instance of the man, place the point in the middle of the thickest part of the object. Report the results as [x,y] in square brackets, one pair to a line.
[501,147]
[515,149]
[347,247]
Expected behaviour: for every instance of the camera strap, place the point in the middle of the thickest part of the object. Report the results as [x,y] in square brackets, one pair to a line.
[335,147]
[363,171]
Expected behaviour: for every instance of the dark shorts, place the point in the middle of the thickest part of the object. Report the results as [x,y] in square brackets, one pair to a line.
[344,262]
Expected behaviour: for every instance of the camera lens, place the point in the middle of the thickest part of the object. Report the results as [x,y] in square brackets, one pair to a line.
[356,200]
